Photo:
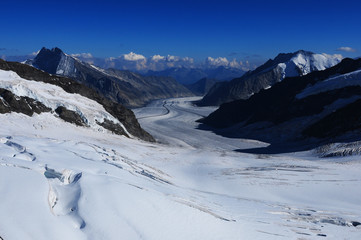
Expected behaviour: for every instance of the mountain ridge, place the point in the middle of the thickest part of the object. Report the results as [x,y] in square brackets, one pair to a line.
[283,65]
[297,109]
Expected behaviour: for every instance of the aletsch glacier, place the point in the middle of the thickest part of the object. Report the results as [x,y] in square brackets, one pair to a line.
[80,184]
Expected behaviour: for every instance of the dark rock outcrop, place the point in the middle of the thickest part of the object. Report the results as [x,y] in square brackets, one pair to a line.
[124,115]
[70,116]
[338,122]
[113,127]
[12,103]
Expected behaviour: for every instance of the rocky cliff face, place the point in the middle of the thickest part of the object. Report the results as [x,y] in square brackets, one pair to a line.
[36,101]
[127,88]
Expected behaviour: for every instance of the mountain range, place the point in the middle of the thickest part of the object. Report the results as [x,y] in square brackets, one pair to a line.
[125,87]
[284,65]
[298,113]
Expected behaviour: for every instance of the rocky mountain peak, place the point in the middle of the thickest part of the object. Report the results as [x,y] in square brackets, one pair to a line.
[48,59]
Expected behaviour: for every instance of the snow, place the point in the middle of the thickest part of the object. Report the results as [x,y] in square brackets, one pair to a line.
[53,96]
[337,82]
[304,63]
[66,66]
[83,184]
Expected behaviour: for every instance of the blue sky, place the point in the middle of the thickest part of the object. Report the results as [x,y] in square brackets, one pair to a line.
[247,30]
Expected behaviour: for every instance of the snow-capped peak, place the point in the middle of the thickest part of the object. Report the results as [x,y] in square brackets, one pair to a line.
[302,63]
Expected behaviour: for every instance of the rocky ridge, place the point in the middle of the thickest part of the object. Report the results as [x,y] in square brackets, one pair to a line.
[10,102]
[273,71]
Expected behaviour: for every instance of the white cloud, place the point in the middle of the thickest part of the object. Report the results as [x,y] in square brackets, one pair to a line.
[158,63]
[217,62]
[82,55]
[133,57]
[211,62]
[188,59]
[138,62]
[157,58]
[34,53]
[346,49]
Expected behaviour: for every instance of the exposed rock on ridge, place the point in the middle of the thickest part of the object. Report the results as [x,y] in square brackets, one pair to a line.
[124,115]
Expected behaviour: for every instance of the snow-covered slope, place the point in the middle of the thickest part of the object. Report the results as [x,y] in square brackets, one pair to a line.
[25,89]
[295,64]
[53,97]
[303,63]
[59,181]
[333,83]
[66,66]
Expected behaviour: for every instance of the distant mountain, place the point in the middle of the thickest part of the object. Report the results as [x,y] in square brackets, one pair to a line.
[27,90]
[191,75]
[284,65]
[299,112]
[202,86]
[128,88]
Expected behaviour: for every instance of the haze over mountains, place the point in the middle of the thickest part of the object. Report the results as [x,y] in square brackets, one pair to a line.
[284,65]
[128,88]
[184,69]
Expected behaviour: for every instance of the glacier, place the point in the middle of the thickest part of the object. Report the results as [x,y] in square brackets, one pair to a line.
[60,181]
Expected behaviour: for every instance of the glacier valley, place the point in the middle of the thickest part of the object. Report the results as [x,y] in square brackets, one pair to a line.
[61,181]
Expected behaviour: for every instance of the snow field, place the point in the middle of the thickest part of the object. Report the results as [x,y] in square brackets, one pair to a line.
[83,184]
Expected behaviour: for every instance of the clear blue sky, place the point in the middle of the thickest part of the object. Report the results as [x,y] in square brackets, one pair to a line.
[234,29]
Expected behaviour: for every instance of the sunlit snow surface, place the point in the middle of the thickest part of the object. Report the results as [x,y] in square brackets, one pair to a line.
[58,181]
